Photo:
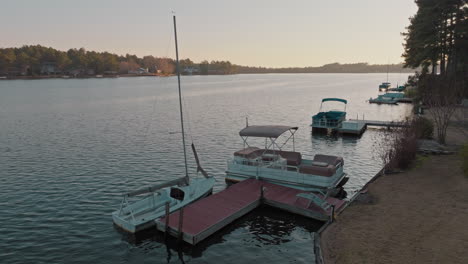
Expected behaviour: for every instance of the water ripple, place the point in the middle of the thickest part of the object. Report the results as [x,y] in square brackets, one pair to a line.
[69,149]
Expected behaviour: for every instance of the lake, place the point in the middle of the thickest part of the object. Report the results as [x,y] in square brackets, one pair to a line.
[70,148]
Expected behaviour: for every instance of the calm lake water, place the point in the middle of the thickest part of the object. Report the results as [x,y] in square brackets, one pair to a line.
[70,148]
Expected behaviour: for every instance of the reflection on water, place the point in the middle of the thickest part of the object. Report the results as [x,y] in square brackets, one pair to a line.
[265,226]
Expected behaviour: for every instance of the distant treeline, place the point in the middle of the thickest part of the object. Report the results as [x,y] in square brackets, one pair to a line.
[329,68]
[37,60]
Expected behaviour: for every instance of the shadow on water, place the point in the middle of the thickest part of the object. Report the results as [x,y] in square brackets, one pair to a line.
[335,136]
[351,139]
[264,226]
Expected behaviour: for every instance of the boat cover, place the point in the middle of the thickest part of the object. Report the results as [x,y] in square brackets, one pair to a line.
[334,99]
[272,131]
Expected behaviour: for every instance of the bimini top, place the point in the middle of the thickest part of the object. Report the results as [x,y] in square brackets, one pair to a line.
[265,131]
[334,99]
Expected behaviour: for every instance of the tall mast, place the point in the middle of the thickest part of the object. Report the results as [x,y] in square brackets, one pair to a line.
[180,97]
[387,71]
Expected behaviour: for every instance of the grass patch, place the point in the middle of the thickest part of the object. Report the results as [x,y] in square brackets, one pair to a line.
[464,156]
[420,159]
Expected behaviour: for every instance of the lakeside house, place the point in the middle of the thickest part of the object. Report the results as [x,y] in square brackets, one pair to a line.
[15,71]
[139,71]
[49,67]
[191,70]
[110,72]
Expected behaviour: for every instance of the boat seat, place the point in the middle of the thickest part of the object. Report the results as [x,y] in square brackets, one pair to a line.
[292,158]
[326,171]
[332,160]
[248,153]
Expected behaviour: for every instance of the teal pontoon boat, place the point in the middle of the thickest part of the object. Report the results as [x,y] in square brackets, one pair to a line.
[329,119]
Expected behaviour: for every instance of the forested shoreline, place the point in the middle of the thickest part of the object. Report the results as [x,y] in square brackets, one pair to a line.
[37,61]
[436,41]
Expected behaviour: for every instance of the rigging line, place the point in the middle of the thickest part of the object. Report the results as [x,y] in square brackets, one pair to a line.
[187,106]
[162,83]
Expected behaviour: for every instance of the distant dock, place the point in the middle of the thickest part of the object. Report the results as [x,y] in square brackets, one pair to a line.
[357,127]
[203,218]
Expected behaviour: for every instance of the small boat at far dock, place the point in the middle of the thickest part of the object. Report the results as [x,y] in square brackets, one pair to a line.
[383,99]
[331,119]
[387,98]
[324,173]
[384,86]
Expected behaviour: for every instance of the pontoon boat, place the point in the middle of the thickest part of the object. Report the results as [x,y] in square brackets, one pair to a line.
[324,173]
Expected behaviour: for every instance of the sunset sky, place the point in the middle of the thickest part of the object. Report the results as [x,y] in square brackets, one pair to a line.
[254,33]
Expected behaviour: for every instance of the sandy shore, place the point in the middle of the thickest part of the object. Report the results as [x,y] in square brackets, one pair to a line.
[419,216]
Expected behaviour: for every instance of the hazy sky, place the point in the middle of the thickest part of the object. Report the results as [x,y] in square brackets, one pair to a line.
[256,33]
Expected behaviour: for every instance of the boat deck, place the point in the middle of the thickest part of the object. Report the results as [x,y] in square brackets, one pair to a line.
[357,127]
[204,217]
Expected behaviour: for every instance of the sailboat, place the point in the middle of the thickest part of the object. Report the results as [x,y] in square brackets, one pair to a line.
[385,85]
[138,214]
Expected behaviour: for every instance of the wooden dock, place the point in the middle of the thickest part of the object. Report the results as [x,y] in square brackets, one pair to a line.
[205,217]
[357,127]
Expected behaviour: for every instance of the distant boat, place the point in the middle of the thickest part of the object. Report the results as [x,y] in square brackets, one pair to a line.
[288,168]
[134,216]
[330,119]
[384,99]
[384,86]
[400,88]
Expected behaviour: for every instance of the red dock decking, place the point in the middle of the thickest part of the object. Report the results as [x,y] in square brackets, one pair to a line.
[208,215]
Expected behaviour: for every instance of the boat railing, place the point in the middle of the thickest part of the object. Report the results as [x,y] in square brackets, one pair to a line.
[280,163]
[326,122]
[125,204]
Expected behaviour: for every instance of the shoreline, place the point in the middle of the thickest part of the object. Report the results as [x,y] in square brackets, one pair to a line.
[98,76]
[415,216]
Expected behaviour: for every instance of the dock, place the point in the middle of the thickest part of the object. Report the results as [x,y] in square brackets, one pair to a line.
[357,127]
[205,217]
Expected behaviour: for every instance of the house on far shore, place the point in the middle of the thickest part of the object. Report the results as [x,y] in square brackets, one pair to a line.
[191,70]
[110,73]
[75,72]
[139,71]
[15,71]
[48,68]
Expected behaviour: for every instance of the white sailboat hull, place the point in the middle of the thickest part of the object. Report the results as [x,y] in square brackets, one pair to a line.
[141,214]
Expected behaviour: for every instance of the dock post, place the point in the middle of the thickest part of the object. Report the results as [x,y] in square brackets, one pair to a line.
[261,194]
[332,213]
[181,223]
[167,221]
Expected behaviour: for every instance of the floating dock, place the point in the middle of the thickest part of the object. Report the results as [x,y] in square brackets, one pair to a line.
[205,217]
[405,100]
[357,127]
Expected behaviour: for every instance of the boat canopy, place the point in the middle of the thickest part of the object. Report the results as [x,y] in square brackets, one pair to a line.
[272,131]
[334,99]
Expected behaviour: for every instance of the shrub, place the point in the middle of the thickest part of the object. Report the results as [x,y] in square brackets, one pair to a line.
[411,93]
[464,156]
[423,128]
[399,146]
